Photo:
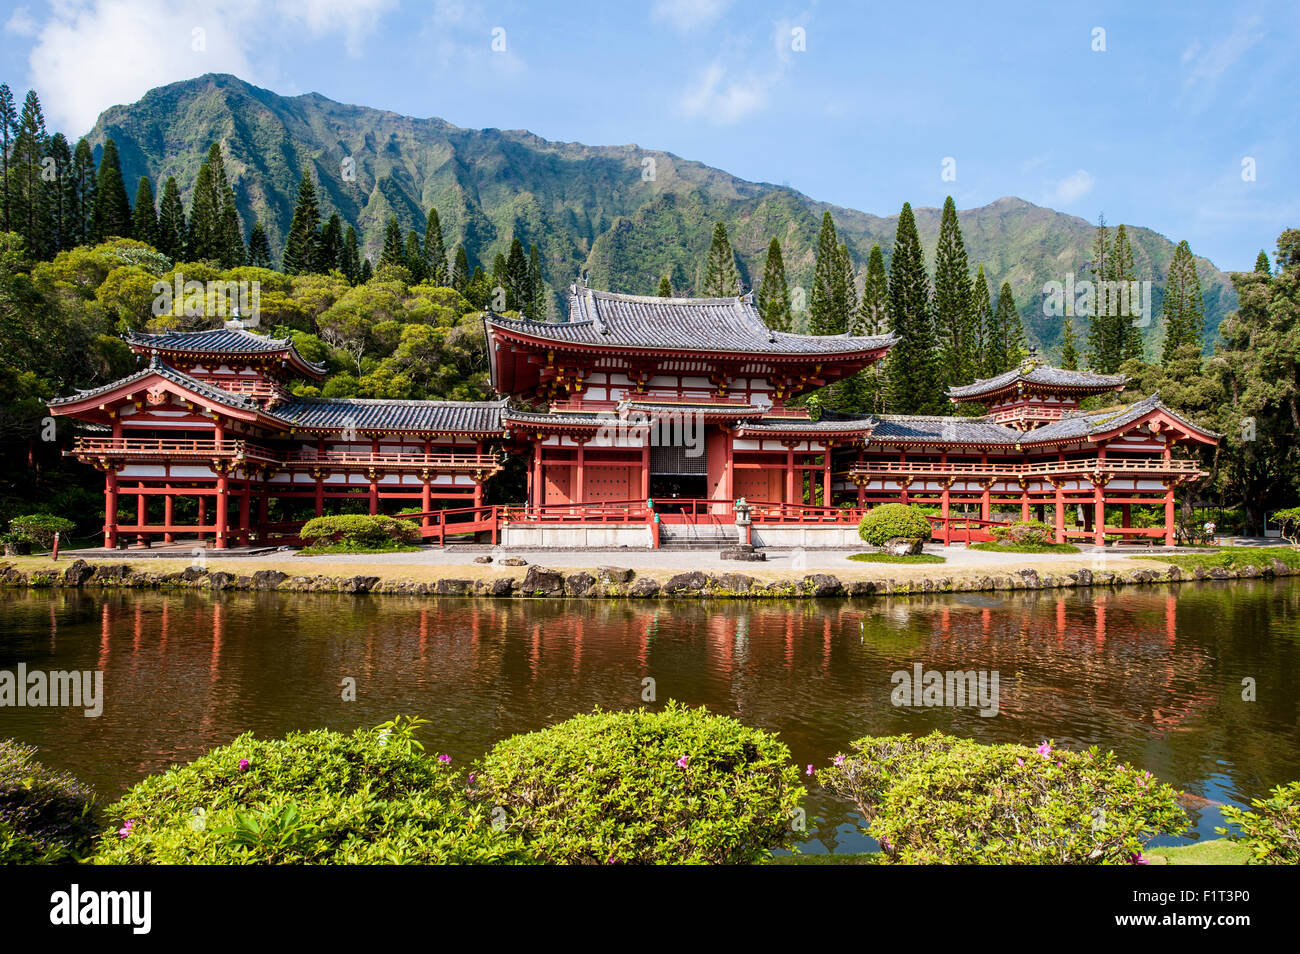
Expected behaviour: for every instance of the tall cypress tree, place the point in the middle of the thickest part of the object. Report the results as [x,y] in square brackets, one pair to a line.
[8,129]
[501,280]
[214,231]
[435,253]
[302,244]
[460,276]
[63,224]
[29,194]
[1183,306]
[393,251]
[665,288]
[913,386]
[774,293]
[414,257]
[172,234]
[844,290]
[536,286]
[112,211]
[519,293]
[259,247]
[873,314]
[350,263]
[1007,348]
[82,182]
[1262,264]
[1127,332]
[827,271]
[144,218]
[330,253]
[721,278]
[952,302]
[1069,350]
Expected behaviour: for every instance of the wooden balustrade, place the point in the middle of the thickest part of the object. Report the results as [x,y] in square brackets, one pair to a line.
[1110,465]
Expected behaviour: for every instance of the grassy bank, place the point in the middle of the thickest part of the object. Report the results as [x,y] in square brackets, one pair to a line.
[1219,851]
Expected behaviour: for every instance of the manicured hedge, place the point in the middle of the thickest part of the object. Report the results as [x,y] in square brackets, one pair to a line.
[677,786]
[890,521]
[359,532]
[1270,828]
[946,800]
[1025,531]
[46,817]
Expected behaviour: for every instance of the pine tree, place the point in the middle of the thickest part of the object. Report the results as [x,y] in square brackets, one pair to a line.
[393,251]
[330,254]
[214,232]
[8,129]
[666,287]
[1103,350]
[414,257]
[302,244]
[536,286]
[1069,351]
[144,218]
[82,183]
[844,291]
[982,321]
[519,294]
[721,278]
[259,247]
[873,313]
[172,233]
[952,302]
[1127,331]
[913,385]
[773,293]
[435,253]
[63,224]
[350,264]
[1261,263]
[367,271]
[29,193]
[827,271]
[1183,307]
[1007,349]
[460,276]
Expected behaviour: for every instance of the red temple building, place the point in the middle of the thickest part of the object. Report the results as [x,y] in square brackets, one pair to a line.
[639,420]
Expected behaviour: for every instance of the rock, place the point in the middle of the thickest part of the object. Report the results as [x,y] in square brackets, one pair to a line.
[1248,572]
[860,587]
[614,574]
[686,584]
[358,584]
[1030,578]
[541,581]
[644,588]
[901,546]
[268,579]
[78,573]
[1280,568]
[220,581]
[514,561]
[112,572]
[1198,573]
[734,582]
[1083,576]
[502,586]
[454,587]
[745,552]
[823,584]
[1174,573]
[193,573]
[1219,573]
[579,584]
[483,559]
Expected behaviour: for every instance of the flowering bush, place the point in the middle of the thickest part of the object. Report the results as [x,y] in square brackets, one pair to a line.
[1024,531]
[890,521]
[372,797]
[946,800]
[678,786]
[45,817]
[358,532]
[1271,827]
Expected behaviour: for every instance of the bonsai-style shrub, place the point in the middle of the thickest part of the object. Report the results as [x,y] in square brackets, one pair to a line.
[893,521]
[1289,522]
[945,800]
[677,786]
[35,530]
[1030,532]
[46,817]
[1270,828]
[358,533]
[321,797]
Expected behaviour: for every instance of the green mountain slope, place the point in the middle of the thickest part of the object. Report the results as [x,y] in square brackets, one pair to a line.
[627,215]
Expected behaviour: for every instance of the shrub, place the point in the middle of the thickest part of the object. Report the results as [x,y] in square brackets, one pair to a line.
[945,800]
[1272,829]
[38,528]
[1024,531]
[888,521]
[321,797]
[358,532]
[46,817]
[678,786]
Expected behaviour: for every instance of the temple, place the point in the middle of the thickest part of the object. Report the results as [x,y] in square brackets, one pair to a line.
[640,421]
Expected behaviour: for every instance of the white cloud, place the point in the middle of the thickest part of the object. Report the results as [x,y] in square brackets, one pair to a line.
[723,100]
[1072,188]
[687,15]
[20,23]
[1207,67]
[92,54]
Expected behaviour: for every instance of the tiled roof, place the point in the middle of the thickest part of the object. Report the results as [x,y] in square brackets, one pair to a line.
[1031,373]
[559,419]
[157,367]
[1081,424]
[234,341]
[605,319]
[794,425]
[918,429]
[703,407]
[435,417]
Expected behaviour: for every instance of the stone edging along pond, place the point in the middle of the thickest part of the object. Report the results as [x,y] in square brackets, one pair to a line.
[610,582]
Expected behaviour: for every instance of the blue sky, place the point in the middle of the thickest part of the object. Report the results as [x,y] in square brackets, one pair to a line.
[1152,130]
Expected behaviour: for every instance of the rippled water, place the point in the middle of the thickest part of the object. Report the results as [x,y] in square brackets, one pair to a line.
[1154,673]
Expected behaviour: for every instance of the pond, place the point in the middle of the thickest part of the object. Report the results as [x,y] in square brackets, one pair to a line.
[1155,673]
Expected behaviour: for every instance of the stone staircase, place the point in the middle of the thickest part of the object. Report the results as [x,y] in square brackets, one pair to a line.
[692,537]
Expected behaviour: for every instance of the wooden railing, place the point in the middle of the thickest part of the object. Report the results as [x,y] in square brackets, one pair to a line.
[461,462]
[249,388]
[441,524]
[166,447]
[603,511]
[1038,468]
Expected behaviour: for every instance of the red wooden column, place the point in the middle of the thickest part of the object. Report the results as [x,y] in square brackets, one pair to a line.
[1024,501]
[1059,509]
[372,475]
[203,515]
[645,466]
[1170,534]
[539,491]
[245,511]
[223,504]
[168,519]
[789,474]
[141,513]
[319,476]
[1099,521]
[110,506]
[826,475]
[729,466]
[426,497]
[986,500]
[478,484]
[579,493]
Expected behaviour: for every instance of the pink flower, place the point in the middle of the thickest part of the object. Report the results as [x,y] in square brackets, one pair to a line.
[839,760]
[243,765]
[810,770]
[1137,859]
[1044,749]
[1020,761]
[126,829]
[472,776]
[444,758]
[681,763]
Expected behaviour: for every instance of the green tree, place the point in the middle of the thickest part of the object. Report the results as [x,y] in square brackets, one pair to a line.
[536,286]
[259,248]
[414,257]
[1069,350]
[29,194]
[82,183]
[8,129]
[302,244]
[1183,306]
[912,381]
[1127,331]
[435,252]
[953,323]
[330,253]
[721,278]
[214,230]
[1261,263]
[828,274]
[773,293]
[350,263]
[460,276]
[1007,347]
[172,234]
[519,292]
[393,251]
[982,320]
[144,217]
[665,288]
[63,224]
